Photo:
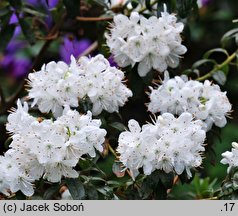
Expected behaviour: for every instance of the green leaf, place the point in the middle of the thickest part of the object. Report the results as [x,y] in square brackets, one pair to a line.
[220,77]
[134,3]
[202,62]
[148,5]
[72,7]
[228,35]
[119,126]
[27,30]
[5,16]
[7,142]
[3,119]
[34,12]
[101,3]
[91,192]
[6,35]
[209,52]
[76,188]
[50,192]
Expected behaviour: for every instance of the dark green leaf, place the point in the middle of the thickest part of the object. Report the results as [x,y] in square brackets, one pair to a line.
[229,35]
[76,188]
[27,30]
[5,18]
[101,3]
[148,5]
[3,119]
[91,192]
[134,3]
[20,196]
[202,62]
[17,4]
[166,179]
[209,52]
[119,126]
[7,142]
[50,192]
[34,12]
[6,35]
[72,7]
[185,7]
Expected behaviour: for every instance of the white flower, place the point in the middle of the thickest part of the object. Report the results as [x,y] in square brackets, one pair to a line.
[57,85]
[231,158]
[204,101]
[153,42]
[48,149]
[170,144]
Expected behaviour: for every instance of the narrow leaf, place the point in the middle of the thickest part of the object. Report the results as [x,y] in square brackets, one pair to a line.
[220,77]
[76,188]
[6,35]
[27,31]
[221,50]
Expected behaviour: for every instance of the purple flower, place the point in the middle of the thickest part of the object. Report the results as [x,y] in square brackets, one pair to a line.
[112,62]
[73,47]
[46,3]
[15,66]
[205,2]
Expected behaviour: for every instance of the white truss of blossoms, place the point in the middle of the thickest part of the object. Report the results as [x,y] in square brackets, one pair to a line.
[204,100]
[59,84]
[46,148]
[170,144]
[154,42]
[231,158]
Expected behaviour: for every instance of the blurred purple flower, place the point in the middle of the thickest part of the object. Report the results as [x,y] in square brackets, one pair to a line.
[112,62]
[15,66]
[203,3]
[73,47]
[46,3]
[10,62]
[206,2]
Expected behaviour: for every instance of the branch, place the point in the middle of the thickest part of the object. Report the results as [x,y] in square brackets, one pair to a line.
[94,19]
[89,50]
[218,67]
[2,98]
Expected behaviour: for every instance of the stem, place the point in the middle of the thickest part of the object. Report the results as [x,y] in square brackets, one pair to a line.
[89,50]
[112,150]
[176,179]
[218,67]
[94,19]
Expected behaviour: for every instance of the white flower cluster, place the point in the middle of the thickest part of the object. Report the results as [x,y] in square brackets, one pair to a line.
[59,84]
[204,100]
[231,158]
[46,148]
[170,144]
[154,42]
